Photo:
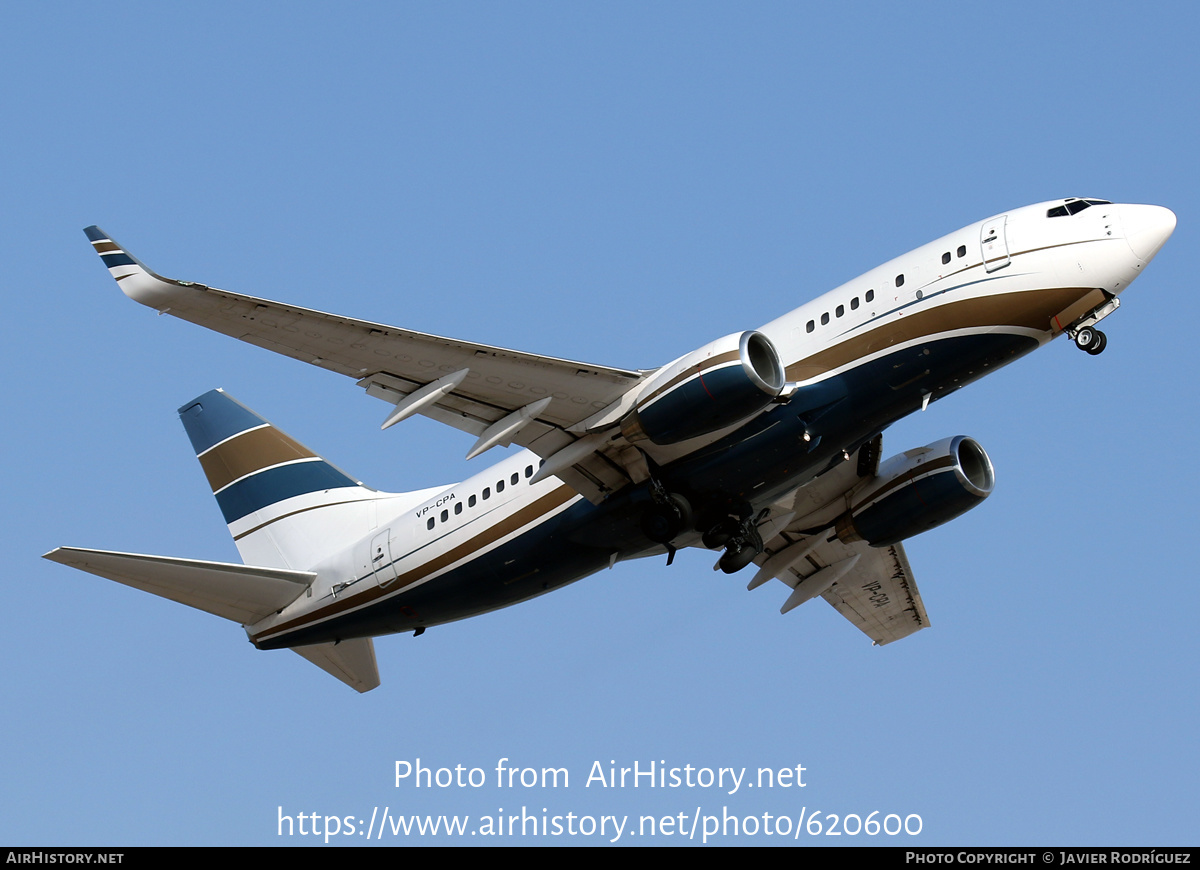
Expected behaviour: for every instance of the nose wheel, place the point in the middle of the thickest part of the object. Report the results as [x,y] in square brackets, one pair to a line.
[1084,332]
[1091,340]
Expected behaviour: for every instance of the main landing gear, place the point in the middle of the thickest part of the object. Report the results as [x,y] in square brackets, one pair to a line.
[741,541]
[670,515]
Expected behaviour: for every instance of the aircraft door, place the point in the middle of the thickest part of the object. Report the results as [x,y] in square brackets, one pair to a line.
[994,241]
[381,558]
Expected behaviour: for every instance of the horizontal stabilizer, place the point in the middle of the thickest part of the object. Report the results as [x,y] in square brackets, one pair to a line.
[242,593]
[351,661]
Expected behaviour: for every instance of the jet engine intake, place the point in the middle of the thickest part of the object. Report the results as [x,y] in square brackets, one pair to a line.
[918,490]
[721,384]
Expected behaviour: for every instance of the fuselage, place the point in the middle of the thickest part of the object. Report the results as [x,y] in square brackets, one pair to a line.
[857,359]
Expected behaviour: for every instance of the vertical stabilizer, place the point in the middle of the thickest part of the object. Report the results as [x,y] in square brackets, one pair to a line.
[286,506]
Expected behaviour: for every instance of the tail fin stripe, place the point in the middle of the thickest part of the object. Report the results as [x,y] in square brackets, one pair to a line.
[248,452]
[209,450]
[276,484]
[214,417]
[255,471]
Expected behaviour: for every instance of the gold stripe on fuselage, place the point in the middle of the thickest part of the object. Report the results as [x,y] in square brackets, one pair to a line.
[530,514]
[1025,309]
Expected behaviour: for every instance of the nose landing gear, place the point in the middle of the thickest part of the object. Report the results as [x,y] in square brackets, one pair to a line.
[1091,340]
[1083,331]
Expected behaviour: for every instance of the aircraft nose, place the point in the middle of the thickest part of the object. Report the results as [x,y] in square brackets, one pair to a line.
[1147,228]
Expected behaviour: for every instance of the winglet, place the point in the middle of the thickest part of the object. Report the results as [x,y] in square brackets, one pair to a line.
[137,281]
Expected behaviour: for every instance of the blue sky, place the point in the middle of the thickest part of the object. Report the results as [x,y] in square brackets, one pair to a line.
[616,183]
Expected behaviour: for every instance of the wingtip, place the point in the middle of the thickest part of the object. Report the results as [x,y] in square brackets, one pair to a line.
[118,262]
[136,280]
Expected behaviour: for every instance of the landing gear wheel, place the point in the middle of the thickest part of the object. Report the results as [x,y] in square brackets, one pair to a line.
[737,557]
[718,536]
[664,521]
[1087,338]
[743,545]
[1100,343]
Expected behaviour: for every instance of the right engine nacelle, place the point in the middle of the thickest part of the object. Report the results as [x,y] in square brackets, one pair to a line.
[918,490]
[718,385]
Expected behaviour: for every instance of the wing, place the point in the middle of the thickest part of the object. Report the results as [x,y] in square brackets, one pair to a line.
[873,587]
[501,396]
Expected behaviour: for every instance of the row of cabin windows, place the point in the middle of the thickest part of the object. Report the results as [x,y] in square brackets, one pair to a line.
[841,309]
[472,500]
[870,294]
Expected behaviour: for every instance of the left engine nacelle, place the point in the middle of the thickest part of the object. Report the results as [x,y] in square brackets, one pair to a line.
[918,490]
[718,385]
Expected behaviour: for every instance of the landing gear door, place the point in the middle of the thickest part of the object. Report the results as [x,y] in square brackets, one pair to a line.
[381,558]
[994,242]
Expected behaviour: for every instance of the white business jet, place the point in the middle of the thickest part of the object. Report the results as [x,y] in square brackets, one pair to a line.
[763,445]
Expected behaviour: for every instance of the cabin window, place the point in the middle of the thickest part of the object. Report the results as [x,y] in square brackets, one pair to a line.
[458,508]
[529,471]
[945,258]
[824,318]
[429,525]
[962,250]
[445,515]
[471,501]
[841,309]
[899,280]
[870,295]
[487,493]
[810,326]
[854,304]
[499,486]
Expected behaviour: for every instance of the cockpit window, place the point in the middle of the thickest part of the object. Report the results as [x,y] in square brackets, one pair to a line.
[1074,206]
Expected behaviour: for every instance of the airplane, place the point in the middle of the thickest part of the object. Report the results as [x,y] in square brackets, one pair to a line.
[763,445]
